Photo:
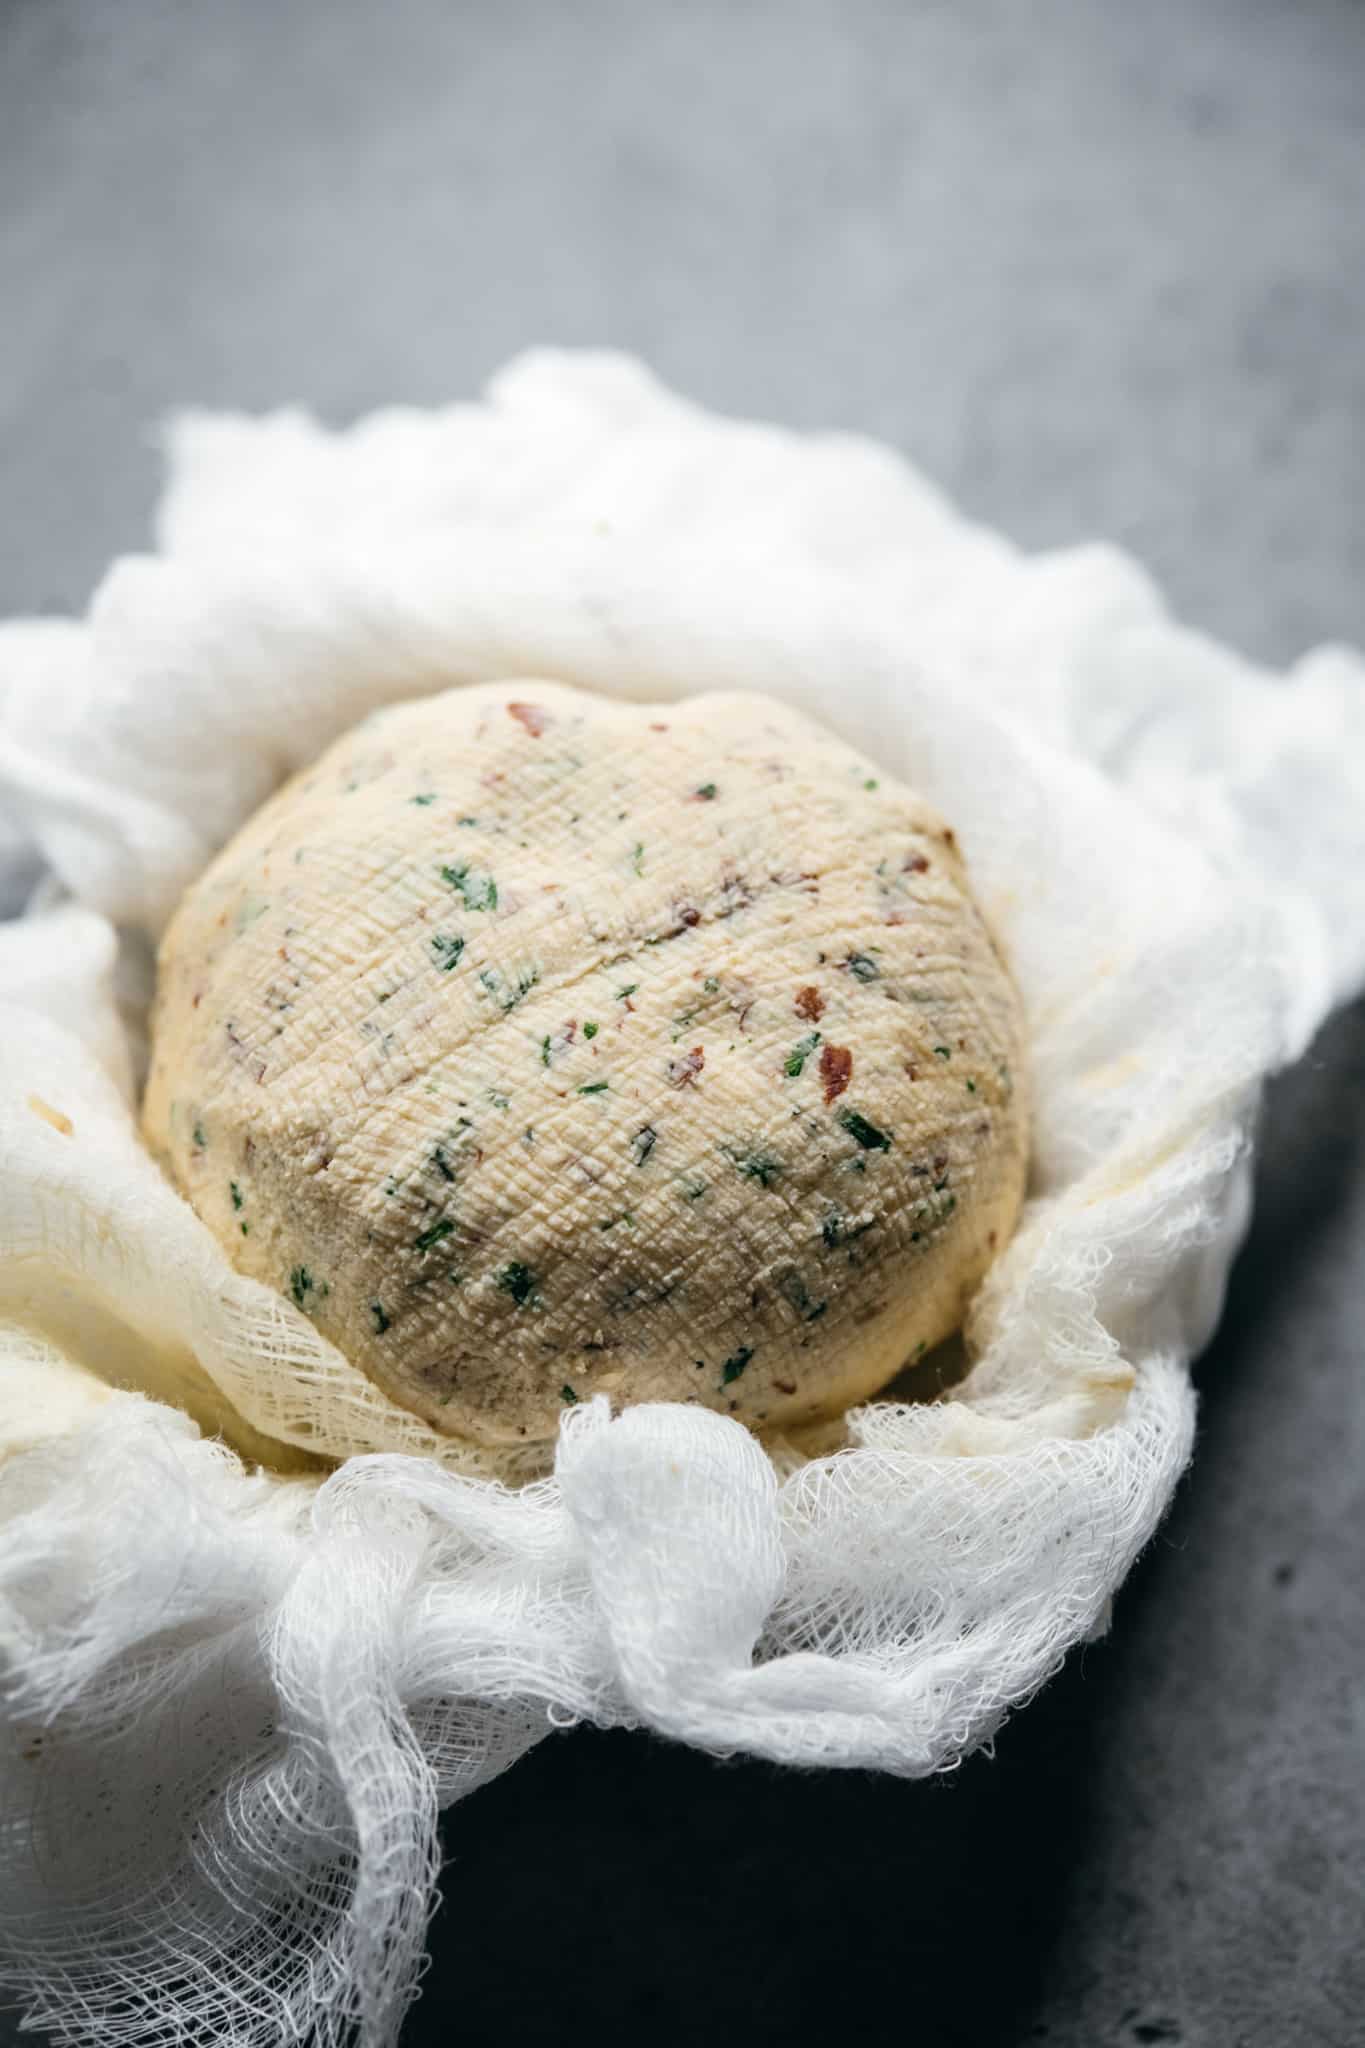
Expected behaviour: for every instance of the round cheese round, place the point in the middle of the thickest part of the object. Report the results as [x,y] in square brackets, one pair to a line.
[540,1046]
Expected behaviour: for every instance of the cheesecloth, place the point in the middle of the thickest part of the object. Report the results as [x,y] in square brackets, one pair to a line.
[257,1624]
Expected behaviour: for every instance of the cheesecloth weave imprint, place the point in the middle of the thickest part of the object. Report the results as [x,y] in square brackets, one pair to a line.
[237,1685]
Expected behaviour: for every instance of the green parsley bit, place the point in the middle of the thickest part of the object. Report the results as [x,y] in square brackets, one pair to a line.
[425,1239]
[381,1319]
[866,1134]
[236,1194]
[518,1281]
[759,1166]
[971,1087]
[624,994]
[943,1052]
[706,793]
[201,1142]
[862,968]
[447,947]
[480,892]
[799,1054]
[735,1365]
[637,858]
[300,1284]
[568,1396]
[590,1031]
[871,783]
[427,797]
[594,1087]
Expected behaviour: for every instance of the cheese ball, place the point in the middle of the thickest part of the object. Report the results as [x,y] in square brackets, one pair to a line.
[540,1046]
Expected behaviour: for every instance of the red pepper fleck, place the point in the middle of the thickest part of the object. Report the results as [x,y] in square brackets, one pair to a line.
[684,1071]
[810,1004]
[687,914]
[658,728]
[836,1067]
[915,865]
[531,716]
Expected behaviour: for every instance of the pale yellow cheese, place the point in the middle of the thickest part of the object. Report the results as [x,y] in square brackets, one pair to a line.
[542,1046]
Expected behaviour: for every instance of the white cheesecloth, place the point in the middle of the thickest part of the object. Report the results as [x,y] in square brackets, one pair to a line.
[237,1686]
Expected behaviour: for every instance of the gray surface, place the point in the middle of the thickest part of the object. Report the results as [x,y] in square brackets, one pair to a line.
[1102,270]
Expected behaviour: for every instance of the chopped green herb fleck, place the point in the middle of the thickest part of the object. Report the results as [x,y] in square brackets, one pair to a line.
[693,1187]
[480,892]
[427,797]
[504,993]
[835,1230]
[200,1140]
[707,792]
[943,1052]
[246,1230]
[624,994]
[300,1284]
[568,1396]
[236,1194]
[861,968]
[442,1164]
[637,857]
[920,1348]
[499,1100]
[971,1087]
[590,1031]
[871,782]
[799,1054]
[518,1281]
[759,1166]
[735,1365]
[711,986]
[447,946]
[381,1320]
[866,1134]
[594,1087]
[427,1238]
[644,1143]
[466,821]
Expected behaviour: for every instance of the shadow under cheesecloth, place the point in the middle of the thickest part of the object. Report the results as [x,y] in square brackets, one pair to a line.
[616,1885]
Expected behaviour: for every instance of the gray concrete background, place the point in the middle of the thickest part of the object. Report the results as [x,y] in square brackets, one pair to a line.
[1101,269]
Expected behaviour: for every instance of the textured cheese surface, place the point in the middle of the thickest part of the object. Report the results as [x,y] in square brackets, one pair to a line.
[540,1046]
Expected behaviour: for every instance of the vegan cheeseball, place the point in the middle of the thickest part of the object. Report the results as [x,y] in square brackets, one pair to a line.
[539,1046]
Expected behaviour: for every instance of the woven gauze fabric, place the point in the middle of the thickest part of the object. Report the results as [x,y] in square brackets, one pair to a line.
[259,1625]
